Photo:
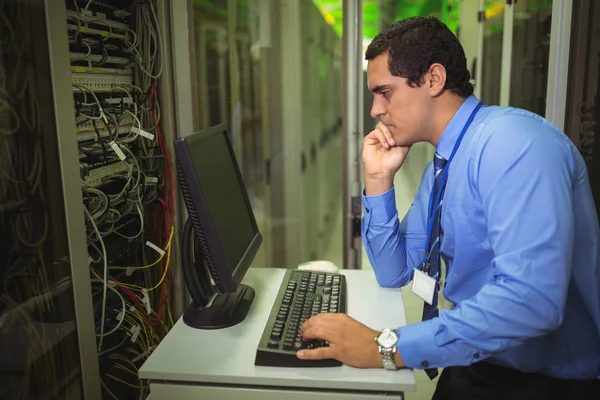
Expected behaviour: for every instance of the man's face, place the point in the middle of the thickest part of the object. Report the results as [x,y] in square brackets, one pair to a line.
[401,108]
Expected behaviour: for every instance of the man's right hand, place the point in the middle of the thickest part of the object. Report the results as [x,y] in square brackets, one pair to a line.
[381,159]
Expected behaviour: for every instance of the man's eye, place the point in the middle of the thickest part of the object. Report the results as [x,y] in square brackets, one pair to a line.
[385,94]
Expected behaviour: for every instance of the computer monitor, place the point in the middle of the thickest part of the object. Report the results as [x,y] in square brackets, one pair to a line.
[225,236]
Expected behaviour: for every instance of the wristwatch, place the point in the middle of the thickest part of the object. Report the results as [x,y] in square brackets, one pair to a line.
[386,344]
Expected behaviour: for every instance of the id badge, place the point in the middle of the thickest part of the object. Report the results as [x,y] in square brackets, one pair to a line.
[423,286]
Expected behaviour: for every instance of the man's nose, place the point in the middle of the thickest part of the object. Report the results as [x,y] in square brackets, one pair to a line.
[376,110]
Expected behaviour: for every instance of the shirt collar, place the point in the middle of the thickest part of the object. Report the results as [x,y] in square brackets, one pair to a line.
[452,131]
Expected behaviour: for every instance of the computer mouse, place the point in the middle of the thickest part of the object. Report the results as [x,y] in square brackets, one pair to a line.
[319,265]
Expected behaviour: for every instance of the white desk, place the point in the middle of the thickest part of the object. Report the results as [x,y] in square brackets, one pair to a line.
[219,364]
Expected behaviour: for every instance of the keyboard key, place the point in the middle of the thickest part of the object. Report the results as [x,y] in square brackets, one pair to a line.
[276,336]
[288,346]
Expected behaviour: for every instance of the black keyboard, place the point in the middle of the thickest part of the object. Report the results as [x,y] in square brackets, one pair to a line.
[302,294]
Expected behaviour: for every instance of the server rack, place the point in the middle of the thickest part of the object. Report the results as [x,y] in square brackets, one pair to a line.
[583,100]
[117,58]
[47,344]
[531,49]
[94,229]
[492,62]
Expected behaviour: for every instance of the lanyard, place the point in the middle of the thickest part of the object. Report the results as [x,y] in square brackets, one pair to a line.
[438,194]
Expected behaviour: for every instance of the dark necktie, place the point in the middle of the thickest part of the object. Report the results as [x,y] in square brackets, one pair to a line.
[431,311]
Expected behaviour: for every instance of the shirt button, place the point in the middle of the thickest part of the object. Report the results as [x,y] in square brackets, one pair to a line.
[424,364]
[367,210]
[476,355]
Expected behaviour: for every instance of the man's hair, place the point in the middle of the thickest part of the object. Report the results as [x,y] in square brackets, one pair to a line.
[414,44]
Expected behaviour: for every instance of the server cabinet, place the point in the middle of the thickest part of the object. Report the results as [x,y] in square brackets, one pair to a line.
[492,61]
[582,118]
[530,55]
[47,340]
[106,61]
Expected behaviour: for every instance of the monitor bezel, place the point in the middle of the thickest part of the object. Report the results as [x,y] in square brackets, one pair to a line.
[229,276]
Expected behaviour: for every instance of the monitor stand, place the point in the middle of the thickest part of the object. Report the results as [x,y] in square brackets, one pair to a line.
[225,310]
[209,309]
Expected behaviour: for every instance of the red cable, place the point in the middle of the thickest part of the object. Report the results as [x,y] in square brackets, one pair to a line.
[138,304]
[164,293]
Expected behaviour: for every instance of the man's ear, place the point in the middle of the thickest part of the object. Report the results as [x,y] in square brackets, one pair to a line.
[436,79]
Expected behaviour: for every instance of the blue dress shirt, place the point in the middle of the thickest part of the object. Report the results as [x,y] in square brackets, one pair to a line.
[520,244]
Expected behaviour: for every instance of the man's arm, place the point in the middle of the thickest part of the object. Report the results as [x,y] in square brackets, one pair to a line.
[523,177]
[395,248]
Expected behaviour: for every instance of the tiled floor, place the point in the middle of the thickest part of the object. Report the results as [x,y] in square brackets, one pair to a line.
[405,188]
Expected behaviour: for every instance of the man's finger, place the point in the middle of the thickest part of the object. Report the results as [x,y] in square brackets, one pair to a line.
[319,319]
[386,133]
[312,321]
[319,332]
[377,136]
[308,323]
[320,353]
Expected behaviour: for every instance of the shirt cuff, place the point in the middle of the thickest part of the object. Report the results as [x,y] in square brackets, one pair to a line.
[381,208]
[417,345]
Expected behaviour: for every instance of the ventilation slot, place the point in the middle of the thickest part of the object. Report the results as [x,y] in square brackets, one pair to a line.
[197,227]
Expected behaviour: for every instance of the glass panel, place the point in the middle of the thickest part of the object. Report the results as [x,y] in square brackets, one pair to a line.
[323,140]
[39,353]
[531,47]
[492,56]
[244,87]
[214,77]
[582,122]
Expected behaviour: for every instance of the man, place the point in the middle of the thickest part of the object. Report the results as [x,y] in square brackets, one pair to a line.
[506,204]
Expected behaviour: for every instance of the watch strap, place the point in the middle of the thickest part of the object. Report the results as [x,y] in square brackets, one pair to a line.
[389,362]
[387,353]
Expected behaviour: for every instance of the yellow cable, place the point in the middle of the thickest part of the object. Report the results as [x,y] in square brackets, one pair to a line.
[122,358]
[168,252]
[138,267]
[169,312]
[20,97]
[124,368]
[142,323]
[167,247]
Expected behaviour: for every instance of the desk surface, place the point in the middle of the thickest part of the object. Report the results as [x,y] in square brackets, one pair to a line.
[227,356]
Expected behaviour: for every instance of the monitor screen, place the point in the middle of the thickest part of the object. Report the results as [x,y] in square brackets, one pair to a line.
[218,205]
[224,195]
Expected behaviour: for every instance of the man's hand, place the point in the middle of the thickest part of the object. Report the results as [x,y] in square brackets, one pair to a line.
[349,341]
[382,158]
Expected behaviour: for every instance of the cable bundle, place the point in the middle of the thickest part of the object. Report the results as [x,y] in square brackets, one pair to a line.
[127,181]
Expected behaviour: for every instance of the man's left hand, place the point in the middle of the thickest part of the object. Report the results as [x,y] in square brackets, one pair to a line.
[349,341]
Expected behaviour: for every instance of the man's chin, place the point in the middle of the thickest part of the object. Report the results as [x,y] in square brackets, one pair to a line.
[401,141]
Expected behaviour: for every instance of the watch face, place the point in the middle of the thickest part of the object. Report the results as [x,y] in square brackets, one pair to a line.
[387,339]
